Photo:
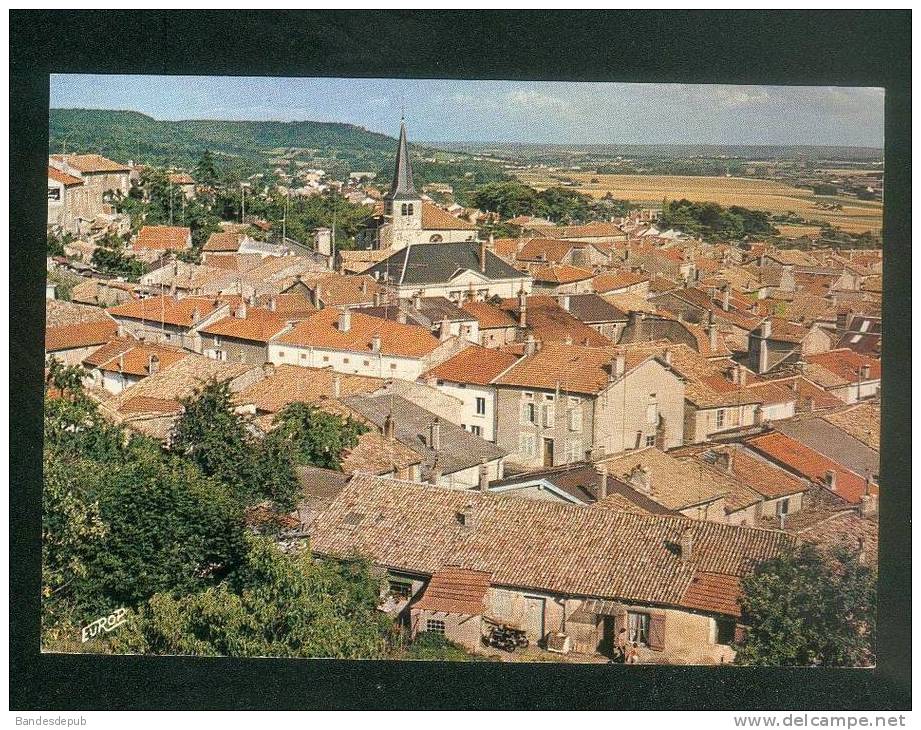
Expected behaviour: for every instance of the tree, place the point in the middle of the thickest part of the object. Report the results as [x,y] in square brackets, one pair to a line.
[810,608]
[66,378]
[206,172]
[274,605]
[110,258]
[318,438]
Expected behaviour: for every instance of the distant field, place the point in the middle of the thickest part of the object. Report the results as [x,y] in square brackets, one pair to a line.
[856,216]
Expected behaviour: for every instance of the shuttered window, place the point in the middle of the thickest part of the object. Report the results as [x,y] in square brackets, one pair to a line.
[549,416]
[657,631]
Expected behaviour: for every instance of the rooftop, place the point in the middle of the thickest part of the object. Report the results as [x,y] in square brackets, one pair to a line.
[286,384]
[474,365]
[434,263]
[90,163]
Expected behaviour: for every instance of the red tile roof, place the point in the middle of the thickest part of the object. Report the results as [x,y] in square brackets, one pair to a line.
[475,365]
[322,330]
[488,315]
[92,163]
[612,281]
[560,273]
[846,364]
[81,334]
[176,312]
[149,404]
[799,458]
[549,322]
[224,242]
[436,219]
[123,355]
[714,592]
[63,178]
[572,368]
[455,590]
[256,325]
[165,238]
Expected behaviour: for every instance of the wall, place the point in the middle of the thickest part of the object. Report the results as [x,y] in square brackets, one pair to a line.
[345,361]
[234,350]
[701,423]
[459,628]
[497,336]
[484,289]
[470,477]
[466,415]
[714,511]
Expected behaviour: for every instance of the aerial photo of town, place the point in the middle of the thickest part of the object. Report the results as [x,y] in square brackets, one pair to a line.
[470,371]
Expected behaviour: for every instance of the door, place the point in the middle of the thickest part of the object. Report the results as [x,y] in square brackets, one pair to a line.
[534,617]
[548,452]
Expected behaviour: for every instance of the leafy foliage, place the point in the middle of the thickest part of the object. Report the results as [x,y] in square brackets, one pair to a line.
[710,220]
[430,646]
[317,438]
[559,204]
[111,258]
[274,605]
[809,608]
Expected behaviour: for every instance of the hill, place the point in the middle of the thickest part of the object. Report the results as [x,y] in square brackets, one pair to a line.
[254,146]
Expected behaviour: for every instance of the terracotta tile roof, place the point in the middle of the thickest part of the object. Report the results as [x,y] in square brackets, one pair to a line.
[533,544]
[436,219]
[92,163]
[455,590]
[632,303]
[675,483]
[544,249]
[256,325]
[287,306]
[289,384]
[475,365]
[507,247]
[181,178]
[596,229]
[611,281]
[63,178]
[714,592]
[242,262]
[808,395]
[124,355]
[785,331]
[83,334]
[488,315]
[337,290]
[560,273]
[844,528]
[759,474]
[376,454]
[166,309]
[548,322]
[322,330]
[861,421]
[843,365]
[166,238]
[800,459]
[572,368]
[224,241]
[150,404]
[60,312]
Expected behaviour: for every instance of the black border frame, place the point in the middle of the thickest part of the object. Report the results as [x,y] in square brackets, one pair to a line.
[853,48]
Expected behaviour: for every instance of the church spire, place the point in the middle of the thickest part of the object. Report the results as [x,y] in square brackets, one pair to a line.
[402,187]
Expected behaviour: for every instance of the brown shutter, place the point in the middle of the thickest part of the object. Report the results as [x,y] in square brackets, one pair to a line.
[657,631]
[620,622]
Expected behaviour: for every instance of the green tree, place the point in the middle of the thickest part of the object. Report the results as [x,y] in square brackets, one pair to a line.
[274,605]
[206,172]
[318,438]
[810,608]
[66,378]
[111,258]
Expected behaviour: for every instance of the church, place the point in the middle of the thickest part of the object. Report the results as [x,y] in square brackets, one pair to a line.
[407,219]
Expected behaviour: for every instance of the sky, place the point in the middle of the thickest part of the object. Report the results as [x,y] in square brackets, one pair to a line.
[506,111]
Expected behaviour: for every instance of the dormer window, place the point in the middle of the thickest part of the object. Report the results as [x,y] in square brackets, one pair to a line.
[403,209]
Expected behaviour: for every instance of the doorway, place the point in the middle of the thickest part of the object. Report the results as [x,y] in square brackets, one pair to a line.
[548,452]
[534,617]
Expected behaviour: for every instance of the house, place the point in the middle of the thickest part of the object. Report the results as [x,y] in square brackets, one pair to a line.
[73,331]
[70,202]
[170,320]
[497,327]
[597,312]
[351,342]
[122,362]
[776,343]
[561,278]
[796,457]
[459,271]
[451,456]
[552,568]
[824,436]
[545,251]
[845,374]
[542,318]
[328,289]
[243,335]
[558,404]
[859,332]
[439,315]
[862,421]
[225,242]
[184,182]
[621,282]
[163,238]
[100,175]
[406,219]
[468,377]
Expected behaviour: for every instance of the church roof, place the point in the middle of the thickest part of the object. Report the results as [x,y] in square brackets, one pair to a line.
[432,263]
[402,187]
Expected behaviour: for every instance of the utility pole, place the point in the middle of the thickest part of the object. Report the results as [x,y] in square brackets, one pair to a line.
[332,249]
[284,220]
[171,200]
[243,202]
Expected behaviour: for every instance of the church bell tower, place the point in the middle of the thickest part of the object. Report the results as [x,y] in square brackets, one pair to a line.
[402,204]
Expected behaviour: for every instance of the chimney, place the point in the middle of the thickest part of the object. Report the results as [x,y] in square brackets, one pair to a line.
[725,302]
[766,329]
[564,302]
[364,286]
[389,427]
[711,333]
[810,405]
[241,310]
[417,300]
[831,479]
[252,298]
[602,481]
[345,320]
[861,551]
[273,303]
[153,364]
[337,385]
[667,356]
[375,343]
[869,505]
[435,435]
[484,476]
[435,476]
[492,241]
[530,345]
[734,373]
[841,323]
[522,309]
[864,372]
[317,296]
[783,520]
[483,256]
[401,315]
[687,544]
[444,330]
[196,314]
[377,298]
[724,460]
[640,479]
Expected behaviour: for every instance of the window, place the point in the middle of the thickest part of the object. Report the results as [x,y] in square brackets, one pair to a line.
[436,627]
[725,631]
[476,430]
[573,450]
[436,239]
[303,356]
[54,193]
[651,440]
[721,418]
[481,406]
[345,361]
[526,444]
[575,418]
[549,416]
[326,358]
[410,209]
[528,413]
[217,341]
[652,413]
[281,354]
[783,507]
[403,209]
[547,396]
[400,589]
[393,366]
[638,627]
[366,363]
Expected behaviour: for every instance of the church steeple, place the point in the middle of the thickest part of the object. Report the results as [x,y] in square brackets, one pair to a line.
[402,187]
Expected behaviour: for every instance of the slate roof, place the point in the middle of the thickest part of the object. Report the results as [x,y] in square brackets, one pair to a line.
[534,544]
[433,263]
[459,450]
[828,439]
[402,187]
[861,421]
